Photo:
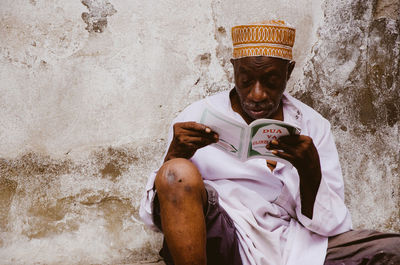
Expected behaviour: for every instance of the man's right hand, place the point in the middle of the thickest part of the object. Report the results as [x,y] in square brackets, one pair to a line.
[188,137]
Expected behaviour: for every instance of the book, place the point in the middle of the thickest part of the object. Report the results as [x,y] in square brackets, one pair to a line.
[246,141]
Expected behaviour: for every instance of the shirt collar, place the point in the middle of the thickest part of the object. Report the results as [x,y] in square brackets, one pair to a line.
[291,113]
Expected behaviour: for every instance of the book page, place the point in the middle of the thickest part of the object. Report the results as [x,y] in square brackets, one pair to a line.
[231,133]
[264,131]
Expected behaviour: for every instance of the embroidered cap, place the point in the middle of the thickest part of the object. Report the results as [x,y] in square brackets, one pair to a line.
[273,38]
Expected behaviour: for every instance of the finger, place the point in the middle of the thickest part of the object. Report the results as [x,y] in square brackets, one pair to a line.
[292,139]
[194,129]
[283,155]
[196,141]
[278,145]
[272,144]
[212,136]
[201,140]
[194,126]
[287,148]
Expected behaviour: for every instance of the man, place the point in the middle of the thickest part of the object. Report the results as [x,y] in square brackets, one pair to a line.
[215,209]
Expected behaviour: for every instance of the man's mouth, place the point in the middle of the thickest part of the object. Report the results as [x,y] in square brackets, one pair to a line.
[259,113]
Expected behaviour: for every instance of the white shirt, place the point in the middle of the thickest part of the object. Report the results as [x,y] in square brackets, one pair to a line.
[265,206]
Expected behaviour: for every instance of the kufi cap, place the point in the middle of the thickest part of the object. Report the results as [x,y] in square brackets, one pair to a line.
[273,38]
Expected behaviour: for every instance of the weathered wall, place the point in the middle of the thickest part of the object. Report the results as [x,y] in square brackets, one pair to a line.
[353,79]
[88,89]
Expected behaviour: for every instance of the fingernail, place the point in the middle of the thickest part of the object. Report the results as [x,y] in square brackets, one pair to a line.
[208,130]
[274,152]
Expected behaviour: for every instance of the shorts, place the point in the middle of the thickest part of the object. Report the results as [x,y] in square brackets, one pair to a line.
[364,247]
[222,242]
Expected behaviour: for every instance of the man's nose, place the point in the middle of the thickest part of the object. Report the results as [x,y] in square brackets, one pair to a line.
[257,93]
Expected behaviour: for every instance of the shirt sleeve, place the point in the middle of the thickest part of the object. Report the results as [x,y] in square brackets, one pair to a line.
[330,216]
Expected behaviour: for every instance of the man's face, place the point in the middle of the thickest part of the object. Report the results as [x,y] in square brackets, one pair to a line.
[260,82]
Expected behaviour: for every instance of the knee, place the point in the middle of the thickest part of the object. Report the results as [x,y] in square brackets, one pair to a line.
[178,174]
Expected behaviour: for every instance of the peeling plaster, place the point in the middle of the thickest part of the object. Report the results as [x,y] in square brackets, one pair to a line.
[52,200]
[99,10]
[387,9]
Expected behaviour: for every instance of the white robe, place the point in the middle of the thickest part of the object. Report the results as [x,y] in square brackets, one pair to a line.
[265,206]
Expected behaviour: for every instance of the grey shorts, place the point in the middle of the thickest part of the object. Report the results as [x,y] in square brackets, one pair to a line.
[365,247]
[222,241]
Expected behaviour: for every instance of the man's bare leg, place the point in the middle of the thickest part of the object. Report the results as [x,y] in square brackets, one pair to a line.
[182,198]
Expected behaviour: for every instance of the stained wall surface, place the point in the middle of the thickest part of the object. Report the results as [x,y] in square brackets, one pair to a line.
[88,89]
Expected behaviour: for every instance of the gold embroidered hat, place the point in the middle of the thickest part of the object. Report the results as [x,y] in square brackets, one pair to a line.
[273,38]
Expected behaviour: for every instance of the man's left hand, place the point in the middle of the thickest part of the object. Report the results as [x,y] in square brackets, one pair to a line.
[298,150]
[302,153]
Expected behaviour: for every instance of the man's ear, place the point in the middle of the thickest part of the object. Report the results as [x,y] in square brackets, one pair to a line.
[291,66]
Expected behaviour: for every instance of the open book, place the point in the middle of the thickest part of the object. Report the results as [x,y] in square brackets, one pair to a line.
[246,141]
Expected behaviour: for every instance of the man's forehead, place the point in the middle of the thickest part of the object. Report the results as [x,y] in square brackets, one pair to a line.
[259,63]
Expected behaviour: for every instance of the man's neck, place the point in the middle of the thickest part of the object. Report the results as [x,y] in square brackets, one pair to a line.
[236,106]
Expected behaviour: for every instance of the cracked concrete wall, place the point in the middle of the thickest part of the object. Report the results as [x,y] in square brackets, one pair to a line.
[88,89]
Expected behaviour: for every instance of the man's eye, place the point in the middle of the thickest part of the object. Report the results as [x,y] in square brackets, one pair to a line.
[272,81]
[246,80]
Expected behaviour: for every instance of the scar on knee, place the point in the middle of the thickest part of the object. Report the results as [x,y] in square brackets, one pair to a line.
[171,178]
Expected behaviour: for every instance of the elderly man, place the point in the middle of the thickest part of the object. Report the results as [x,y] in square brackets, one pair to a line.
[215,209]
